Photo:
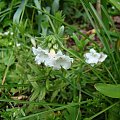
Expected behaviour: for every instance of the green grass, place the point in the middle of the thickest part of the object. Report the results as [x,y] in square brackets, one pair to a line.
[31,91]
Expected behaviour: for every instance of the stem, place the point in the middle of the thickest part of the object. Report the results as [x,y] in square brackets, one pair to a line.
[5,74]
[110,75]
[7,68]
[98,7]
[50,21]
[51,110]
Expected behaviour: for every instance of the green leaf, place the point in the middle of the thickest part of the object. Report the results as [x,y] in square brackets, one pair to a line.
[55,6]
[42,93]
[116,3]
[33,82]
[75,38]
[19,13]
[38,5]
[9,60]
[35,94]
[109,89]
[61,31]
[55,93]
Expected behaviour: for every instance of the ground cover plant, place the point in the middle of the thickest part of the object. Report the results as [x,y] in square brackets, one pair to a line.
[59,60]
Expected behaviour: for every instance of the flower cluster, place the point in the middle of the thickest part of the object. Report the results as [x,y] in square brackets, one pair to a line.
[52,59]
[6,33]
[93,57]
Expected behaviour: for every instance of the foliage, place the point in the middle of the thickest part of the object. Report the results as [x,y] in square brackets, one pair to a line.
[83,92]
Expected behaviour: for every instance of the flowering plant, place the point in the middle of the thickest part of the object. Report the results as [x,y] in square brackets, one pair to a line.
[94,57]
[52,59]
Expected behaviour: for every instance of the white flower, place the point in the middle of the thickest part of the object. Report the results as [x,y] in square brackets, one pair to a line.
[7,33]
[93,57]
[59,60]
[63,61]
[52,59]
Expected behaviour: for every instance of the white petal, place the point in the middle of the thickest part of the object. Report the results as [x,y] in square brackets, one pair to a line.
[69,59]
[92,51]
[39,48]
[92,58]
[64,61]
[41,56]
[92,64]
[56,67]
[18,44]
[35,51]
[6,33]
[59,53]
[87,55]
[39,60]
[49,62]
[52,53]
[102,57]
[67,65]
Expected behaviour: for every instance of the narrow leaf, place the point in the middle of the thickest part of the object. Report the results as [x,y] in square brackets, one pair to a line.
[116,3]
[18,13]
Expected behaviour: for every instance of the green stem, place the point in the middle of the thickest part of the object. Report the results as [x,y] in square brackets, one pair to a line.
[50,21]
[110,75]
[53,110]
